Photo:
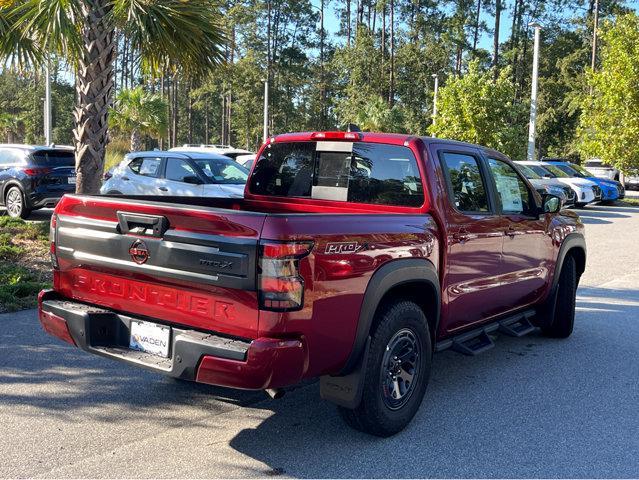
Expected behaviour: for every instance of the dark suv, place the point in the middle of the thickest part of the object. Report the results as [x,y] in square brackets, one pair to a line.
[33,177]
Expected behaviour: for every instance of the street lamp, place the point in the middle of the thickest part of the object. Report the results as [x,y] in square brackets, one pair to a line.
[436,89]
[320,9]
[533,95]
[47,104]
[265,136]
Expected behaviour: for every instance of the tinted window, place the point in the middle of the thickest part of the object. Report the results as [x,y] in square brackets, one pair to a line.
[465,182]
[385,174]
[148,167]
[53,158]
[513,194]
[284,170]
[178,169]
[371,173]
[219,170]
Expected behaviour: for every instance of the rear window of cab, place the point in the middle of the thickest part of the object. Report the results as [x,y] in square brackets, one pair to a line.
[339,171]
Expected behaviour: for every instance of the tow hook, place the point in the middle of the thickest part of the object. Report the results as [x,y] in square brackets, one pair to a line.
[275,393]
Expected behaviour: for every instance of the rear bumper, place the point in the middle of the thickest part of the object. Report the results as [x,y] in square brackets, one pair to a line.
[193,355]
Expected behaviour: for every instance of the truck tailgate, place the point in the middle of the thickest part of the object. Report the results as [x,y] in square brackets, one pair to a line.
[194,266]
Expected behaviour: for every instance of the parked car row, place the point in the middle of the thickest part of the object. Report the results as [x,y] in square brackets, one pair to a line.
[33,177]
[584,185]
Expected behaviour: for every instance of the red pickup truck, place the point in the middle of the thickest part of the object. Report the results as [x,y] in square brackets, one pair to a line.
[352,258]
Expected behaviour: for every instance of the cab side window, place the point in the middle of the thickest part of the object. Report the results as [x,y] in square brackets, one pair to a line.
[513,194]
[465,182]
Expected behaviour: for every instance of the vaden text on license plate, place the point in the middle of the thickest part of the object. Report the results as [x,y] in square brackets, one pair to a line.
[150,338]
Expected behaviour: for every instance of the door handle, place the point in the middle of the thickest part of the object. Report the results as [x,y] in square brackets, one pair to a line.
[164,189]
[461,235]
[125,178]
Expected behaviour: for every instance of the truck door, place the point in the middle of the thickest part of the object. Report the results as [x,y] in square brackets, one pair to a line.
[474,236]
[527,249]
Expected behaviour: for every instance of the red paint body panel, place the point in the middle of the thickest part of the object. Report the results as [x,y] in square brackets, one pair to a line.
[270,363]
[488,265]
[223,310]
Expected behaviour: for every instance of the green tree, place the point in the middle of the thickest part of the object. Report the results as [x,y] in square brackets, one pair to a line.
[186,33]
[609,123]
[139,113]
[477,109]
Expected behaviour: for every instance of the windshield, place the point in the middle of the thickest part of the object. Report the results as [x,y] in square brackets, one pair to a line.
[528,172]
[557,172]
[571,172]
[581,170]
[541,171]
[223,171]
[53,158]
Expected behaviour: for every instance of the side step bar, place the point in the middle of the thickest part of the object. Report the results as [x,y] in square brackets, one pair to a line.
[479,340]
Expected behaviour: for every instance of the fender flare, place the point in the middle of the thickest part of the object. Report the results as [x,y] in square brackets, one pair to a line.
[390,275]
[572,241]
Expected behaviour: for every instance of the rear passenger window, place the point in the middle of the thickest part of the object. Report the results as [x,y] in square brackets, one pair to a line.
[148,167]
[370,173]
[465,182]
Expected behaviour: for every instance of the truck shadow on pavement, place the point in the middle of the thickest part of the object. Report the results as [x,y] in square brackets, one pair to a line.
[530,407]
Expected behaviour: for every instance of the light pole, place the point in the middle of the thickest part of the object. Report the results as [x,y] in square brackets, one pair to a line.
[47,104]
[533,95]
[436,89]
[265,110]
[320,9]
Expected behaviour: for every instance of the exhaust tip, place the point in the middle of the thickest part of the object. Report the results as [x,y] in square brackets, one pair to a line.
[275,393]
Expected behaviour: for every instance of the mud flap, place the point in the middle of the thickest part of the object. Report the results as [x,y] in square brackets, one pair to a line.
[346,390]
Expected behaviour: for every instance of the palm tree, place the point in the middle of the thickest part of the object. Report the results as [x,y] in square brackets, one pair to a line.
[137,113]
[168,34]
[10,126]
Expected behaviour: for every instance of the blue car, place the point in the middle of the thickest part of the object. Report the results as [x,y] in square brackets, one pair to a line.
[611,190]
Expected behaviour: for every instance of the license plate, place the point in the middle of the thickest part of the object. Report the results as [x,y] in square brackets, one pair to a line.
[72,180]
[150,338]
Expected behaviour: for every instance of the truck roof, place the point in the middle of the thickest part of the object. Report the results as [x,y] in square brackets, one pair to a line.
[375,137]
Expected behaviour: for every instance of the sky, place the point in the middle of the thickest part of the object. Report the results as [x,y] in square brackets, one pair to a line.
[331,23]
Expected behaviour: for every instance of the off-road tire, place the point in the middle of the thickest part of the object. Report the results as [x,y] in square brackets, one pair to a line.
[373,415]
[15,203]
[563,320]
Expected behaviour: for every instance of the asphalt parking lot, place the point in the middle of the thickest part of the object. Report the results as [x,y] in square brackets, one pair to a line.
[530,407]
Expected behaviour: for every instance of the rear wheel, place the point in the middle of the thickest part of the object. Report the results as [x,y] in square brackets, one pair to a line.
[563,320]
[397,371]
[15,203]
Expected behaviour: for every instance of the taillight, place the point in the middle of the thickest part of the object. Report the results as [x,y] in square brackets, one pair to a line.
[52,239]
[347,136]
[281,287]
[34,172]
[107,175]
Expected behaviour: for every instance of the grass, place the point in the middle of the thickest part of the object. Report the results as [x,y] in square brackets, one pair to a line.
[632,201]
[116,150]
[24,263]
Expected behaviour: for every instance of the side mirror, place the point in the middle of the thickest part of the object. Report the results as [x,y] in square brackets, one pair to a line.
[550,203]
[547,175]
[192,180]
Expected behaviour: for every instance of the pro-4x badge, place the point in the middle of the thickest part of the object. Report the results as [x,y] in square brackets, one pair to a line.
[341,247]
[139,252]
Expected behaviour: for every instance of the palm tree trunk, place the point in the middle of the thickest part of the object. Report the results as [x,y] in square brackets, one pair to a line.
[94,91]
[136,141]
